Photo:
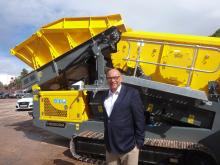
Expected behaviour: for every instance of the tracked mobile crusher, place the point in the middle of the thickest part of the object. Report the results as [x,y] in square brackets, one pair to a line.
[177,75]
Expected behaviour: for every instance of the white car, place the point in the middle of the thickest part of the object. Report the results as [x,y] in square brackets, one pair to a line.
[25,103]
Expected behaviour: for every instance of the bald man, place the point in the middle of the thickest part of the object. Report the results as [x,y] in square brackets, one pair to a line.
[123,120]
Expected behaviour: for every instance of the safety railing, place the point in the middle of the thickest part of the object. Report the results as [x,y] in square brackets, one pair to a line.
[190,69]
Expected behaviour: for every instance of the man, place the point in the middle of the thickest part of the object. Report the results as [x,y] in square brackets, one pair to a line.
[123,120]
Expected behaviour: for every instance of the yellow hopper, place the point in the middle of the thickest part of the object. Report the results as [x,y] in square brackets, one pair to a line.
[58,37]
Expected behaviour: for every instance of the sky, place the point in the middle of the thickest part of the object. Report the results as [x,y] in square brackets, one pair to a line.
[21,18]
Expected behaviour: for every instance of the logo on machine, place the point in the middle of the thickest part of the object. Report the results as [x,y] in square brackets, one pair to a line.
[59,101]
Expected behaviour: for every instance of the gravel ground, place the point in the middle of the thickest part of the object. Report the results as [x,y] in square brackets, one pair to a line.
[23,143]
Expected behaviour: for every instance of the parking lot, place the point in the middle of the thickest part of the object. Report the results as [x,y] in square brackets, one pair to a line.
[22,143]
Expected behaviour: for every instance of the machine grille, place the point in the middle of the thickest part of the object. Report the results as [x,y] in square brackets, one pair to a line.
[50,110]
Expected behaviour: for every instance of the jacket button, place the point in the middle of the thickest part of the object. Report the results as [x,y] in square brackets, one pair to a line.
[109,121]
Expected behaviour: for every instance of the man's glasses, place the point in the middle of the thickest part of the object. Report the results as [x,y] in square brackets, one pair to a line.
[113,78]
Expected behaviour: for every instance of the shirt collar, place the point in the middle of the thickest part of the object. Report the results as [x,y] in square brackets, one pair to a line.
[116,92]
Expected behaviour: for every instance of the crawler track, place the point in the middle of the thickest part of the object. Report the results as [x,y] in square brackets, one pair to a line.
[77,146]
[89,147]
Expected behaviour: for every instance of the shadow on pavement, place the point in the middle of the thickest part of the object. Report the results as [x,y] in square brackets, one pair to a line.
[39,134]
[68,154]
[62,162]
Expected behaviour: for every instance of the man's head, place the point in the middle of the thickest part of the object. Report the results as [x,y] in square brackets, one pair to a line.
[114,79]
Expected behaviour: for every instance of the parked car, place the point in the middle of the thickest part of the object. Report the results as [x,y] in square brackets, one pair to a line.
[4,95]
[17,94]
[25,103]
[12,95]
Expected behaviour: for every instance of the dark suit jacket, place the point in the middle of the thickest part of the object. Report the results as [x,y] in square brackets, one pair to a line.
[125,127]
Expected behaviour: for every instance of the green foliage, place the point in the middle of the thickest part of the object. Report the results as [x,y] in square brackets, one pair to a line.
[16,82]
[216,34]
[24,72]
[1,85]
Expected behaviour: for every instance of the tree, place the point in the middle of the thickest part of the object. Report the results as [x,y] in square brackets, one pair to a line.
[16,82]
[216,34]
[24,72]
[1,85]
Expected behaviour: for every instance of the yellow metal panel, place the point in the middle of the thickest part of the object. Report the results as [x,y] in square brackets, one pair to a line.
[176,56]
[122,53]
[208,61]
[56,38]
[151,53]
[68,106]
[182,60]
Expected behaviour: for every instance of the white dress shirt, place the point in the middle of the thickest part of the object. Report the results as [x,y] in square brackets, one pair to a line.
[110,100]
